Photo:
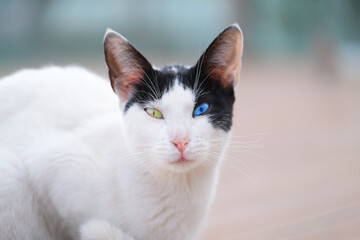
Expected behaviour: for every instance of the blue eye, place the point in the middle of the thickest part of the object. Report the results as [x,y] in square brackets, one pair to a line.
[201,109]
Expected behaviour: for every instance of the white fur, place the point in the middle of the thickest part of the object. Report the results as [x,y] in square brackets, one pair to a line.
[73,167]
[109,30]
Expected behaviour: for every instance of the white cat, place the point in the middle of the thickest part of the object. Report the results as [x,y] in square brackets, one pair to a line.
[75,165]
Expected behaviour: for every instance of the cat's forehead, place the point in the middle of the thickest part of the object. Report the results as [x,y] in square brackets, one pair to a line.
[179,89]
[175,69]
[174,91]
[159,82]
[170,75]
[178,97]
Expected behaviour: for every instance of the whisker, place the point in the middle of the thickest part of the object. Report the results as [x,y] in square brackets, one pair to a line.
[233,166]
[147,83]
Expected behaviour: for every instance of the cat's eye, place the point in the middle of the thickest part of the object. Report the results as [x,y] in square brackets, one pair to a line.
[201,109]
[153,112]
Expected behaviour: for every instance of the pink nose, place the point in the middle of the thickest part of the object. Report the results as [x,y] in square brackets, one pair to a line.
[180,145]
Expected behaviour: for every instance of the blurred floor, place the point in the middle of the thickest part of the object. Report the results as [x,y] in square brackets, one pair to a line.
[298,176]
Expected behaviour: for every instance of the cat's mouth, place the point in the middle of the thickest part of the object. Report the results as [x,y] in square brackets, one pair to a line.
[183,160]
[183,164]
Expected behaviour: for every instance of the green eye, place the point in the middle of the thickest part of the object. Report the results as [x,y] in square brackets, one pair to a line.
[154,113]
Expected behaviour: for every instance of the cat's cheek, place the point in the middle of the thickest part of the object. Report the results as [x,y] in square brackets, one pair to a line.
[200,142]
[149,137]
[203,129]
[213,141]
[142,130]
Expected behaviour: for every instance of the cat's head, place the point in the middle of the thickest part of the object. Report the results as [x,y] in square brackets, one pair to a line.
[177,117]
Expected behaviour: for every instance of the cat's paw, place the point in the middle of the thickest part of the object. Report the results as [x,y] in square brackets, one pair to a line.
[101,230]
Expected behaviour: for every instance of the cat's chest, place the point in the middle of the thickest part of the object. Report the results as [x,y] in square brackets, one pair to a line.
[175,210]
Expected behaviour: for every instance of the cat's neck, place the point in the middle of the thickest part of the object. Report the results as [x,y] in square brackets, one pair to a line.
[168,194]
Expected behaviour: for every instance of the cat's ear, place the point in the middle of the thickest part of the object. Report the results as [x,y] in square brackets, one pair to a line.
[222,59]
[127,66]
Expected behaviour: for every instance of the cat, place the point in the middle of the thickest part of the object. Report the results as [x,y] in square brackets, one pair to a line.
[80,162]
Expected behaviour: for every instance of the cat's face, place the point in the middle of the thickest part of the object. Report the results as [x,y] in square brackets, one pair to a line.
[177,117]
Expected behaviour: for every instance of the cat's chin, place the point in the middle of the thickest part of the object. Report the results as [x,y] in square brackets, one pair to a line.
[182,165]
[182,161]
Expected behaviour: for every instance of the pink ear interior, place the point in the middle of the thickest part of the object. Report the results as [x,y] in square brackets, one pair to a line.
[126,65]
[222,58]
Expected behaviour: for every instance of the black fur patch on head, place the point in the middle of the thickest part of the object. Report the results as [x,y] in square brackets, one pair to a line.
[207,90]
[152,86]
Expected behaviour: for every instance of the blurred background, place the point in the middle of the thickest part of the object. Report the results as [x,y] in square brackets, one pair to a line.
[292,170]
